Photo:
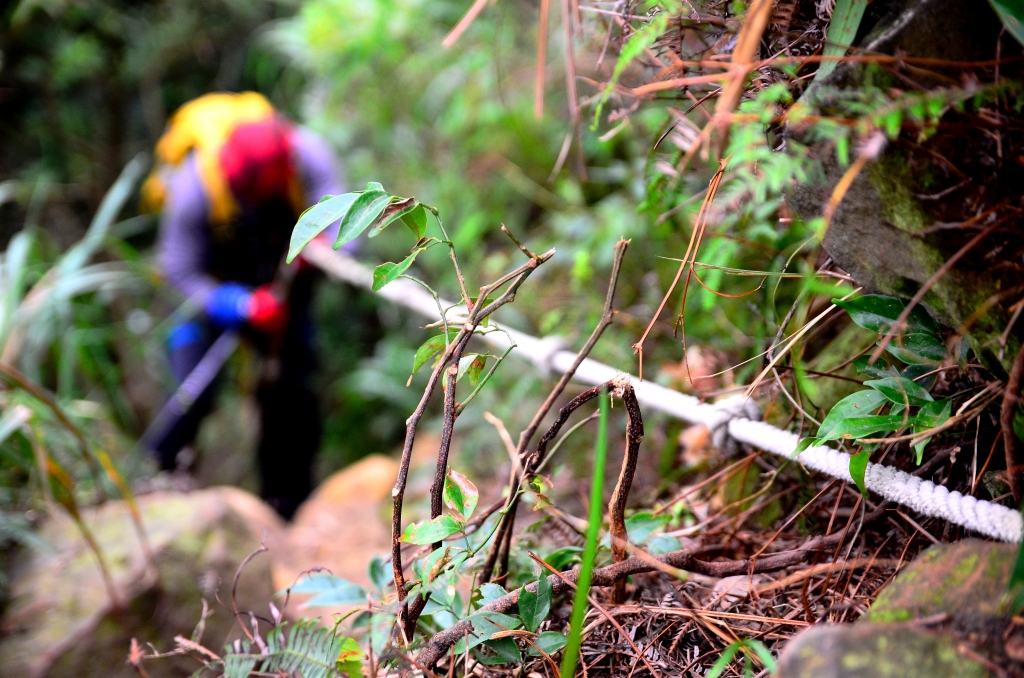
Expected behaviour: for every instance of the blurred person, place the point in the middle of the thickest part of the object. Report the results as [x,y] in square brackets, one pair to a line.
[232,177]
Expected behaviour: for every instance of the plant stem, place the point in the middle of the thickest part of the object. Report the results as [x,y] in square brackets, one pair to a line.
[579,606]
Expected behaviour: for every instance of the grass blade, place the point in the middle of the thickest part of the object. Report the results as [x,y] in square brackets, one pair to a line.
[579,604]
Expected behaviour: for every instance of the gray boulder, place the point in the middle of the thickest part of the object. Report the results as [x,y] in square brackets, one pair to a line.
[62,622]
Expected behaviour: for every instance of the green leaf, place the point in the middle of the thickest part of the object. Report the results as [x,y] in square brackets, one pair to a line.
[431,531]
[934,414]
[350,659]
[330,590]
[863,366]
[562,558]
[1011,13]
[534,607]
[416,220]
[859,404]
[877,313]
[507,650]
[389,272]
[490,592]
[858,465]
[640,526]
[842,29]
[317,218]
[364,211]
[397,208]
[549,641]
[901,390]
[485,625]
[663,543]
[865,427]
[429,349]
[472,367]
[916,372]
[381,575]
[805,443]
[917,348]
[460,494]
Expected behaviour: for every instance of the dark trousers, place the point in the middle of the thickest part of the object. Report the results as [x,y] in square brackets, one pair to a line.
[289,420]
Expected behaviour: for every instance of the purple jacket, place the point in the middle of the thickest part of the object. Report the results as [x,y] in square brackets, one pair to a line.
[193,257]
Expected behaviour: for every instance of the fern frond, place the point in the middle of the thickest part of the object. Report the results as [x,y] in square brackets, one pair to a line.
[307,648]
[239,664]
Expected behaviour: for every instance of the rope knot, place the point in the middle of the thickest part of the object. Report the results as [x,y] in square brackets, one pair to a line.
[733,407]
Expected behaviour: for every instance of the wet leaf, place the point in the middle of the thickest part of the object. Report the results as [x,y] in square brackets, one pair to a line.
[877,313]
[901,390]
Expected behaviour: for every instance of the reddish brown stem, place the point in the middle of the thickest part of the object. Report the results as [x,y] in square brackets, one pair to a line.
[1011,399]
[617,504]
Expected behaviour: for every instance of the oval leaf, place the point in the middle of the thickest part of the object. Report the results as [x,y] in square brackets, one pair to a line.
[877,313]
[428,350]
[416,220]
[549,641]
[317,218]
[917,348]
[865,427]
[431,531]
[395,210]
[363,212]
[389,272]
[472,366]
[460,494]
[534,607]
[901,390]
[859,404]
[485,625]
[858,465]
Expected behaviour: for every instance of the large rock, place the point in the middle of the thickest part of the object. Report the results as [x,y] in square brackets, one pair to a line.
[61,621]
[945,615]
[875,233]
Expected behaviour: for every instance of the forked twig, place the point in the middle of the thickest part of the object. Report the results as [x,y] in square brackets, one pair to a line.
[498,548]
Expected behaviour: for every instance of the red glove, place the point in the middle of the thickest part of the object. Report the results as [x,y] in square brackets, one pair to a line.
[267,312]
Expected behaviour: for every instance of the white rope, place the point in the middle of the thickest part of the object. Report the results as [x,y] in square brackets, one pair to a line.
[732,419]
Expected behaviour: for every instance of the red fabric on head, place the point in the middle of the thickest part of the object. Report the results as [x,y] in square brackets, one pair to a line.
[256,160]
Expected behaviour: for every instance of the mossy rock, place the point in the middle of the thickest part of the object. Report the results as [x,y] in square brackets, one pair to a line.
[946,614]
[876,651]
[875,232]
[966,580]
[61,621]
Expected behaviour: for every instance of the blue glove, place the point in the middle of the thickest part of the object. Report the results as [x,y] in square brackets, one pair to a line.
[228,305]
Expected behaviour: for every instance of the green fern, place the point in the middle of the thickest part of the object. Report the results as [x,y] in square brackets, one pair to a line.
[307,649]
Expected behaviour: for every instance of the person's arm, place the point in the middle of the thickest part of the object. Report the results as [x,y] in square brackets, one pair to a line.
[320,173]
[184,235]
